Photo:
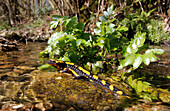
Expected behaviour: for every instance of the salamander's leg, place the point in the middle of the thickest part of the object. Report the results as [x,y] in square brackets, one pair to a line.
[65,70]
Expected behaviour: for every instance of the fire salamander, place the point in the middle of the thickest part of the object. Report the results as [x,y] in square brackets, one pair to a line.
[78,71]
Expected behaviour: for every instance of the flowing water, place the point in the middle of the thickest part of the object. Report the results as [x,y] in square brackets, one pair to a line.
[24,87]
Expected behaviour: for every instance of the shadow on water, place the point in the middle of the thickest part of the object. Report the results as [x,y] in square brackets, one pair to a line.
[23,87]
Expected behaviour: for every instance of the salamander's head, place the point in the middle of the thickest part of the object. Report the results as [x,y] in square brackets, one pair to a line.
[59,64]
[52,62]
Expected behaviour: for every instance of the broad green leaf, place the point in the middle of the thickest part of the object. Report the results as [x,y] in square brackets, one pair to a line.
[100,19]
[147,97]
[137,61]
[80,26]
[139,87]
[110,10]
[130,80]
[146,60]
[53,24]
[134,84]
[122,28]
[155,51]
[57,17]
[106,15]
[97,31]
[107,43]
[98,24]
[127,61]
[44,67]
[110,28]
[65,58]
[154,94]
[146,86]
[80,41]
[164,97]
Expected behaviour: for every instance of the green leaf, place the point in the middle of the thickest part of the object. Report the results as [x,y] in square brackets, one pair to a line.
[134,84]
[155,51]
[65,58]
[165,97]
[80,41]
[146,59]
[110,10]
[53,24]
[122,28]
[139,87]
[154,94]
[43,67]
[57,17]
[137,61]
[98,24]
[97,31]
[110,28]
[146,86]
[106,15]
[130,80]
[80,26]
[147,97]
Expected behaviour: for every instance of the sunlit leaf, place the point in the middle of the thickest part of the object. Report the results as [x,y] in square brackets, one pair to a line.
[57,17]
[110,10]
[139,87]
[137,61]
[165,97]
[130,80]
[97,31]
[154,94]
[106,15]
[98,24]
[53,24]
[80,41]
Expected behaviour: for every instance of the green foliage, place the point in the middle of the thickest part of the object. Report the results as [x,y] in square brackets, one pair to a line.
[145,89]
[47,67]
[156,33]
[4,25]
[132,55]
[72,43]
[144,23]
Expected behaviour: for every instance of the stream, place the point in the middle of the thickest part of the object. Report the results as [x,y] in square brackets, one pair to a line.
[23,87]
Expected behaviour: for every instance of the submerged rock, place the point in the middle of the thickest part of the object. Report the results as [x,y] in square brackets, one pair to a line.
[66,93]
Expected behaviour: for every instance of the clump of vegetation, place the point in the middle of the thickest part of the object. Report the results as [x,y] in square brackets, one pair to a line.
[144,23]
[73,44]
[156,33]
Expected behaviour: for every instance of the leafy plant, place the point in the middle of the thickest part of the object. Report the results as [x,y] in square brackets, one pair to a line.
[144,23]
[146,90]
[132,55]
[156,33]
[72,43]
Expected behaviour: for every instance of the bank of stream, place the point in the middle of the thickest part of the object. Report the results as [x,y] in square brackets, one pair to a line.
[24,87]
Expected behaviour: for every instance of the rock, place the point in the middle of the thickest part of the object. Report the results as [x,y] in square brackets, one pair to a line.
[6,45]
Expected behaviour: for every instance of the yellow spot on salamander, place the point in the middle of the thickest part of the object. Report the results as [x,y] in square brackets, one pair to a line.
[74,72]
[70,63]
[86,76]
[59,61]
[103,82]
[85,71]
[111,87]
[91,80]
[119,92]
[96,77]
[127,96]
